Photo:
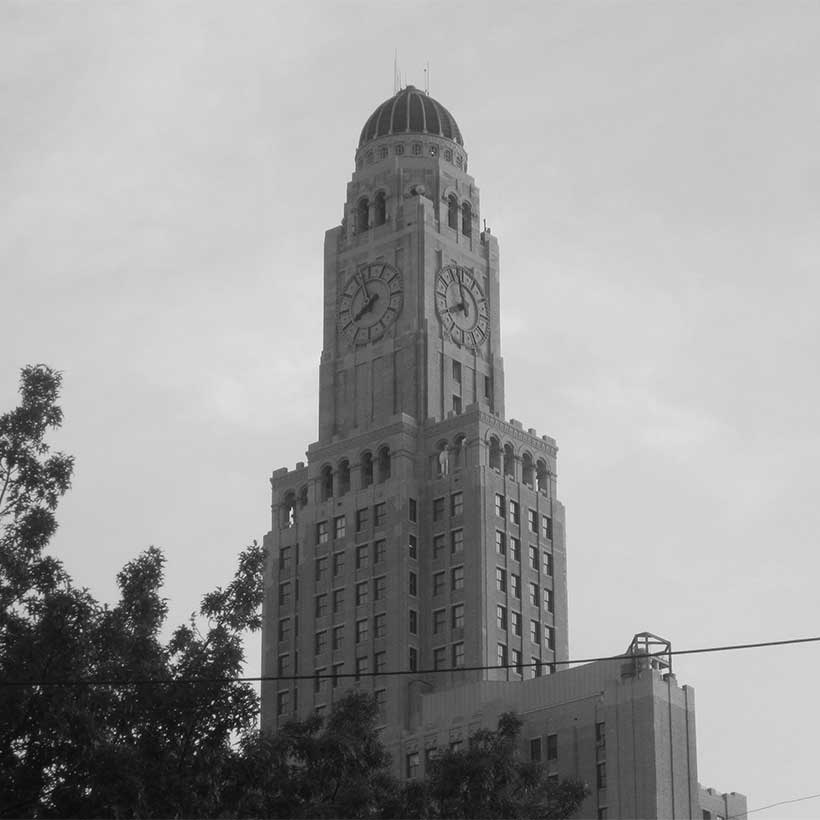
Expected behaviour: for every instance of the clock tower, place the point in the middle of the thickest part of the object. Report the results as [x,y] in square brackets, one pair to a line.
[421,546]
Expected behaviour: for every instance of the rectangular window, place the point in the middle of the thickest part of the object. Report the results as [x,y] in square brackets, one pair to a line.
[362,556]
[320,642]
[283,665]
[546,527]
[500,579]
[515,620]
[457,578]
[361,667]
[322,532]
[438,509]
[456,503]
[603,813]
[515,549]
[532,520]
[338,600]
[379,514]
[338,564]
[413,622]
[515,512]
[381,703]
[488,387]
[457,404]
[438,583]
[600,733]
[379,662]
[535,632]
[500,507]
[337,670]
[501,617]
[412,546]
[318,681]
[284,629]
[362,519]
[535,749]
[549,636]
[412,760]
[413,584]
[456,745]
[548,600]
[439,657]
[320,569]
[361,630]
[516,661]
[320,606]
[546,563]
[439,620]
[457,620]
[282,702]
[379,551]
[500,542]
[379,625]
[457,372]
[339,527]
[501,654]
[338,637]
[438,545]
[536,667]
[600,771]
[362,596]
[533,551]
[413,659]
[380,588]
[285,559]
[456,541]
[552,747]
[535,594]
[515,585]
[458,655]
[412,512]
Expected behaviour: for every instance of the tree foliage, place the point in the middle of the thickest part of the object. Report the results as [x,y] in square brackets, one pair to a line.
[101,716]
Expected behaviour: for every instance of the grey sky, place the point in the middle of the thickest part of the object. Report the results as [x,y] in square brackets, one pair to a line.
[168,171]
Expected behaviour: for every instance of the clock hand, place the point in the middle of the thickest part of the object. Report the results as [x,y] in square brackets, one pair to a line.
[367,306]
[363,284]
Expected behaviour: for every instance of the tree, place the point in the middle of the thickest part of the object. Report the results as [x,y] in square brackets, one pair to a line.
[336,767]
[489,780]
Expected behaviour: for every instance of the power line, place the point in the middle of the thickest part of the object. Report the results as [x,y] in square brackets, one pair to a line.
[119,682]
[772,805]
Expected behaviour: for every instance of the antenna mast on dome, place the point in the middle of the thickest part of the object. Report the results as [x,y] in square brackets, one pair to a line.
[396,72]
[427,79]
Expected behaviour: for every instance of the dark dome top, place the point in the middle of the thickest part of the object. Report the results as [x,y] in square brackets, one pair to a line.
[410,112]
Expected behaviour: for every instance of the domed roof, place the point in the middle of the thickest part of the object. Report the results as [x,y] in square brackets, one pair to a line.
[411,112]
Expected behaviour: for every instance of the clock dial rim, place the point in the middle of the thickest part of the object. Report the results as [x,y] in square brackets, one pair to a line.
[459,286]
[359,323]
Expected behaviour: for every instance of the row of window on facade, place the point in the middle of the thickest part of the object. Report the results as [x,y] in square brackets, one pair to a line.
[416,149]
[285,704]
[534,474]
[502,506]
[333,484]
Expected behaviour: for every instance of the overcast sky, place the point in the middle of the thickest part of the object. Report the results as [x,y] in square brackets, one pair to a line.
[168,170]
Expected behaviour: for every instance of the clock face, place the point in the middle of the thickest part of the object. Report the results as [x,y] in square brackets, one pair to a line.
[461,306]
[371,301]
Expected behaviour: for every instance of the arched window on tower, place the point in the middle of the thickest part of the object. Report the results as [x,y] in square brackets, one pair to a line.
[543,477]
[466,219]
[289,509]
[363,215]
[327,482]
[344,477]
[459,451]
[384,463]
[528,471]
[509,461]
[495,454]
[452,212]
[367,469]
[303,495]
[380,209]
